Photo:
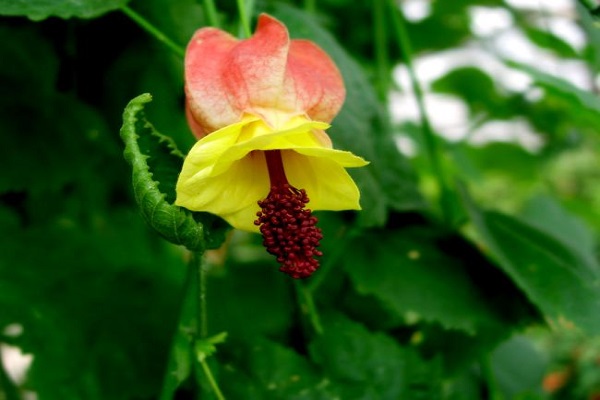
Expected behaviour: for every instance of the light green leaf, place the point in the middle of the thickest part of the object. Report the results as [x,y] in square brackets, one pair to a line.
[585,99]
[519,368]
[37,10]
[156,162]
[559,282]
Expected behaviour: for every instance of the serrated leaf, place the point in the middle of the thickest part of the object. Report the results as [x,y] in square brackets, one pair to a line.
[37,10]
[370,365]
[423,274]
[559,282]
[361,127]
[156,161]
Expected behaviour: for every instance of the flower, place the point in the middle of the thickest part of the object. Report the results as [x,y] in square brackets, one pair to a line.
[260,108]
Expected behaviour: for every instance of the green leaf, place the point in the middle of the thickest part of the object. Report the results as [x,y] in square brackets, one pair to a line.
[519,368]
[582,98]
[37,10]
[424,274]
[156,162]
[565,287]
[550,41]
[370,365]
[361,127]
[263,369]
[547,215]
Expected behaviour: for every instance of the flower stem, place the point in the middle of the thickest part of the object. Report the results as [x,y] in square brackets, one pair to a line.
[152,30]
[201,313]
[211,380]
[432,147]
[211,13]
[244,18]
[307,304]
[201,331]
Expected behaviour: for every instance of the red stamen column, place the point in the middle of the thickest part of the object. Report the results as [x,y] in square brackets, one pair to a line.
[289,229]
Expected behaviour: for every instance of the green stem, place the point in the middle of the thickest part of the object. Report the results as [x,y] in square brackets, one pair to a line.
[152,30]
[429,138]
[201,332]
[211,13]
[487,373]
[211,380]
[309,306]
[381,51]
[201,312]
[244,18]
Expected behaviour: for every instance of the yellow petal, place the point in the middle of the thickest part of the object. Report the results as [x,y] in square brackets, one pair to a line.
[327,184]
[232,195]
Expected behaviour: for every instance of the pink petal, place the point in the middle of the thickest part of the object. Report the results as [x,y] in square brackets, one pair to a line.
[317,82]
[207,98]
[226,78]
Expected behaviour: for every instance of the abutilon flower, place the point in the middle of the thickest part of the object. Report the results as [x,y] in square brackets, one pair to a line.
[260,108]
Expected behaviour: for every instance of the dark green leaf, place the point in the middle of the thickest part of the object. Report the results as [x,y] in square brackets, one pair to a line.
[370,365]
[42,9]
[559,282]
[265,370]
[156,163]
[423,274]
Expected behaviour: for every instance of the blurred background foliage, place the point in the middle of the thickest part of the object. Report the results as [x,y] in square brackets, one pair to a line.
[471,273]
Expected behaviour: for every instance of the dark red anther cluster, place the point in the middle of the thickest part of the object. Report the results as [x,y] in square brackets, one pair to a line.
[289,230]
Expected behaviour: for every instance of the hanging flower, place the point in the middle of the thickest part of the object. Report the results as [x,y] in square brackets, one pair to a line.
[260,108]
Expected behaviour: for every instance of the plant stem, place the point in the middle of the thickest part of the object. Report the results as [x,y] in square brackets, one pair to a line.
[201,332]
[309,304]
[381,52]
[211,13]
[201,311]
[244,18]
[152,30]
[429,138]
[487,373]
[211,380]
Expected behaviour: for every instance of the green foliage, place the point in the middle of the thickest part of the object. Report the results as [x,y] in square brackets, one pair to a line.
[156,161]
[501,303]
[42,9]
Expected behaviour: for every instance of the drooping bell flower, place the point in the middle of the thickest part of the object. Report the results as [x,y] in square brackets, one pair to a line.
[260,108]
